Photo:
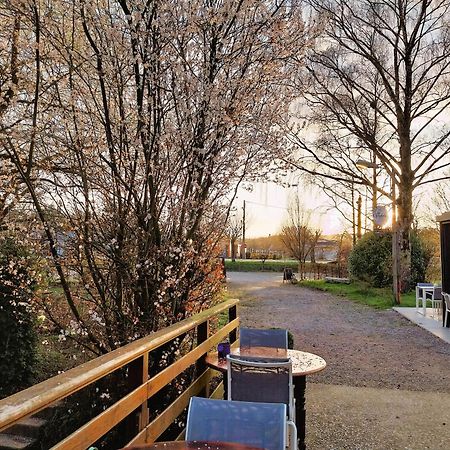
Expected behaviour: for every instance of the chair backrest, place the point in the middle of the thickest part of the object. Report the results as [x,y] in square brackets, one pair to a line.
[259,337]
[258,424]
[256,379]
[437,293]
[446,298]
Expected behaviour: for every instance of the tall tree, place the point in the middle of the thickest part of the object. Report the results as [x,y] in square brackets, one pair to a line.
[153,110]
[379,88]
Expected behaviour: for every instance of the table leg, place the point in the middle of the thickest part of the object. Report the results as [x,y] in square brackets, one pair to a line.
[300,412]
[225,386]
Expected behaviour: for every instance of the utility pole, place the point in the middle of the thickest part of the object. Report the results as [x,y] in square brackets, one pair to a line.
[396,265]
[243,251]
[359,203]
[353,214]
[374,188]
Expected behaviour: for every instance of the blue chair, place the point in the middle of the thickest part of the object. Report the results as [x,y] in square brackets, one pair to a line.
[257,337]
[257,424]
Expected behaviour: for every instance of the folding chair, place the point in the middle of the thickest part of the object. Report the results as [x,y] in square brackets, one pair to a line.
[446,312]
[259,337]
[266,380]
[436,299]
[258,424]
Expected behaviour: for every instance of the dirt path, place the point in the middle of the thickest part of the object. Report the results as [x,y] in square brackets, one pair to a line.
[387,381]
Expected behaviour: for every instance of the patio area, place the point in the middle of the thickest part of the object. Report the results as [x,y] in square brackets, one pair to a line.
[427,322]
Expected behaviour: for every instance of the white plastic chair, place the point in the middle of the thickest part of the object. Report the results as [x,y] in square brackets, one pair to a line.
[421,295]
[446,298]
[257,424]
[259,379]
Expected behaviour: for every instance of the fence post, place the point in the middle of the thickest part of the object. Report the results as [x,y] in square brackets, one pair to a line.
[136,372]
[200,366]
[232,314]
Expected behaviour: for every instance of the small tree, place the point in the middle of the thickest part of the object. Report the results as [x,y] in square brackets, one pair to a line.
[299,237]
[234,232]
[371,259]
[343,252]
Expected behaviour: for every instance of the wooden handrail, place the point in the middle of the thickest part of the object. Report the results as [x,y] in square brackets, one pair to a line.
[40,396]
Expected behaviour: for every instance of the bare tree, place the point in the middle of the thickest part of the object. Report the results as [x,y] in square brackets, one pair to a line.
[297,234]
[234,232]
[379,89]
[145,117]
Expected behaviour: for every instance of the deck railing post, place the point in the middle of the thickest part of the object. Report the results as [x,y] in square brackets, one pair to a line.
[144,414]
[135,376]
[202,335]
[232,314]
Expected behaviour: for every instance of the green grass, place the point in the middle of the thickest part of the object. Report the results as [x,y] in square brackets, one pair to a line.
[359,292]
[256,265]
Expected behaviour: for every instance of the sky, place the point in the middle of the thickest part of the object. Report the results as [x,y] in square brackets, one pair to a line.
[266,208]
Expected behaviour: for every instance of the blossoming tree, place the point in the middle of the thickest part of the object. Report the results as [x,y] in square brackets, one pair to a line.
[147,115]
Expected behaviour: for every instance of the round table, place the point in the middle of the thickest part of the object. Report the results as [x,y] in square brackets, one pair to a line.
[303,364]
[192,445]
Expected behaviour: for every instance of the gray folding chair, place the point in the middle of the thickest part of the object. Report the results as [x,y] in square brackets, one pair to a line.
[258,424]
[269,380]
[258,337]
[435,297]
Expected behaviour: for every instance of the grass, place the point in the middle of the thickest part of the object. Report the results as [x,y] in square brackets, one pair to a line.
[256,265]
[360,292]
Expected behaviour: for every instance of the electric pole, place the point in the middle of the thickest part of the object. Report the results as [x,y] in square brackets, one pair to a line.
[243,252]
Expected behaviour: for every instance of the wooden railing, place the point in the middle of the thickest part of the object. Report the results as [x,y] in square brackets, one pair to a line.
[133,405]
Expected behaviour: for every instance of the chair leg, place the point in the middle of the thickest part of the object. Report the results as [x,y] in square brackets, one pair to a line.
[292,435]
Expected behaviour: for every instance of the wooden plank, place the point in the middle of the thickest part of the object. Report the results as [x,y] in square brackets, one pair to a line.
[181,436]
[218,392]
[166,418]
[40,396]
[101,424]
[167,375]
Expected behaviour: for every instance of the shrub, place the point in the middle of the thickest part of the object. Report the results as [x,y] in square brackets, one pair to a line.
[371,259]
[17,335]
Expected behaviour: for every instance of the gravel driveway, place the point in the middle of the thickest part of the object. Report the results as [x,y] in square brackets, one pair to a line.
[387,381]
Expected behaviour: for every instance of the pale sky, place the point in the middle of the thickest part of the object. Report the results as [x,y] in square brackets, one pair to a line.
[266,208]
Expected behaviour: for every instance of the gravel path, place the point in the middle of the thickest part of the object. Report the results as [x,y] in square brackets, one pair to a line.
[362,346]
[387,381]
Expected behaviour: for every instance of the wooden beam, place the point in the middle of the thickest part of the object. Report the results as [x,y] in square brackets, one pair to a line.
[167,375]
[166,418]
[101,424]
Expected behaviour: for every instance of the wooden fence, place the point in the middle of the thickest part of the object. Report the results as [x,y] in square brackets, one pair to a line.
[133,406]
